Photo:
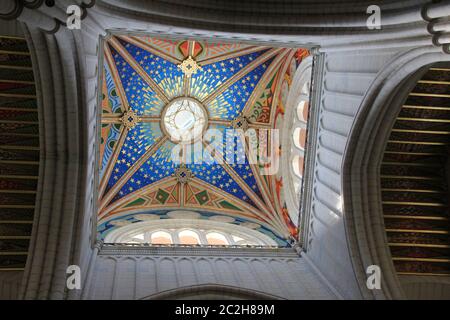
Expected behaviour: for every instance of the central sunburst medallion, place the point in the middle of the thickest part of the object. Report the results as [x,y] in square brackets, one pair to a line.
[184,120]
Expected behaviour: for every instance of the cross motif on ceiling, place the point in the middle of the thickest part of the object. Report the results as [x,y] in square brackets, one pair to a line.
[189,66]
[130,119]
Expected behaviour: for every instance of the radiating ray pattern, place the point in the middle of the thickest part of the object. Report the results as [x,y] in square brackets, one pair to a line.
[112,94]
[137,141]
[230,103]
[216,175]
[158,68]
[113,135]
[141,97]
[157,167]
[211,76]
[235,156]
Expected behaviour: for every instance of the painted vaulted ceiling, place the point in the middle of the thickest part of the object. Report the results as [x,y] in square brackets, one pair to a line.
[151,86]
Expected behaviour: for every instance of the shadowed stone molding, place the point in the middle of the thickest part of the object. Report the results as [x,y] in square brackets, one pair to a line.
[403,23]
[306,18]
[180,250]
[11,9]
[311,148]
[212,290]
[63,205]
[437,15]
[47,18]
[362,159]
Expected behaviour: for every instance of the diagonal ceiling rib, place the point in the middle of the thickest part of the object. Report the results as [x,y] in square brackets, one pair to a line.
[116,78]
[254,197]
[135,65]
[148,47]
[148,153]
[263,58]
[112,161]
[273,68]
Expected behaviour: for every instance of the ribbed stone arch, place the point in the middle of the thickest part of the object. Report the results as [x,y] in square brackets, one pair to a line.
[211,291]
[62,220]
[363,213]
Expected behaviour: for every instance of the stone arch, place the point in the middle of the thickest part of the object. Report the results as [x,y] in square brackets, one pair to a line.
[363,217]
[211,291]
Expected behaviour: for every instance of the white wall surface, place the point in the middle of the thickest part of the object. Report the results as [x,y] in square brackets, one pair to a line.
[346,78]
[136,275]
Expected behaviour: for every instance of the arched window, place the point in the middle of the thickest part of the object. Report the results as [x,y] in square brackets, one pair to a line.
[188,237]
[215,238]
[303,110]
[189,231]
[294,137]
[297,166]
[161,237]
[298,139]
